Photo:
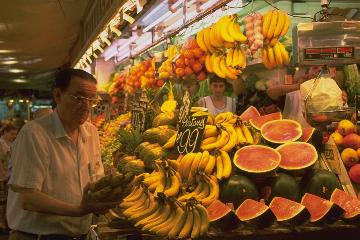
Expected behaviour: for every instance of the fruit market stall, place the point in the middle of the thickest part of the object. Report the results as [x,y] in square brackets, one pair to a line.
[251,175]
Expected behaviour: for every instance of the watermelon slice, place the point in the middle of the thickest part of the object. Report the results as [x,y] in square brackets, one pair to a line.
[259,121]
[321,210]
[307,134]
[281,131]
[349,203]
[222,216]
[250,113]
[288,211]
[256,213]
[297,155]
[257,159]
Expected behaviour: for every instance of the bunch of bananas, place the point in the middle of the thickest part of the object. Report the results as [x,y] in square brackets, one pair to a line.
[275,24]
[225,140]
[224,33]
[165,218]
[275,56]
[206,190]
[166,68]
[164,179]
[225,118]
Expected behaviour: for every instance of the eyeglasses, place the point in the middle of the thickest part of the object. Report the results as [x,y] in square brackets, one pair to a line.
[83,100]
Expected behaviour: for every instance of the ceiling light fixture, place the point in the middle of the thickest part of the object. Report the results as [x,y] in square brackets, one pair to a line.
[20,80]
[14,70]
[9,62]
[7,51]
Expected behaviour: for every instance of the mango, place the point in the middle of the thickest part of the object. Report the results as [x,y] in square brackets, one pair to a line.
[349,157]
[352,141]
[345,127]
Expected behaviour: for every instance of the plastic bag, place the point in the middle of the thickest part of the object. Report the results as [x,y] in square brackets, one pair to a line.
[323,94]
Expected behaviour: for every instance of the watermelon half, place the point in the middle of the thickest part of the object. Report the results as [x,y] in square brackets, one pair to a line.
[257,159]
[307,134]
[221,216]
[349,203]
[281,131]
[297,155]
[259,121]
[321,210]
[289,212]
[250,113]
[256,213]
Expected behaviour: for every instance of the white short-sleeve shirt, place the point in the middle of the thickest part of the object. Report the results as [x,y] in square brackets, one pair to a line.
[44,158]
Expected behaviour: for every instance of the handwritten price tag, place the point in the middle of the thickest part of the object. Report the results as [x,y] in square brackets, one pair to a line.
[190,134]
[138,113]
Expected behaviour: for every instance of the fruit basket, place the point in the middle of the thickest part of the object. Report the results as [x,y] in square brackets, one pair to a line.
[324,118]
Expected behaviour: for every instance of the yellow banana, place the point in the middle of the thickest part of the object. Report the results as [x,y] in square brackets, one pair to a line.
[127,202]
[194,166]
[247,134]
[187,165]
[200,40]
[274,19]
[153,206]
[179,224]
[234,71]
[229,56]
[213,38]
[286,26]
[160,187]
[174,164]
[277,54]
[204,160]
[186,230]
[284,54]
[154,215]
[240,136]
[265,59]
[133,194]
[266,23]
[216,67]
[232,140]
[280,24]
[166,228]
[224,23]
[207,40]
[225,70]
[208,140]
[214,191]
[221,141]
[171,142]
[195,232]
[204,192]
[271,56]
[199,188]
[204,219]
[243,54]
[174,188]
[137,205]
[212,60]
[220,118]
[164,224]
[241,58]
[208,66]
[165,213]
[239,35]
[235,59]
[210,131]
[227,167]
[219,167]
[273,42]
[210,165]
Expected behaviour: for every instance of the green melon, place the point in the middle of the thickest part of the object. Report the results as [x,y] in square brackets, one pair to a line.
[259,121]
[257,159]
[281,131]
[321,210]
[256,213]
[237,189]
[297,155]
[285,186]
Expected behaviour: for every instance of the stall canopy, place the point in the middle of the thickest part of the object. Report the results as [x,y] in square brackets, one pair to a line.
[36,38]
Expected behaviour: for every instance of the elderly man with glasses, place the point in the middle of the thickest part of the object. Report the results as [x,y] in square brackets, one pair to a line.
[54,159]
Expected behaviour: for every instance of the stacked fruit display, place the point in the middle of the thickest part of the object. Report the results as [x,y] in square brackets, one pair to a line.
[275,25]
[166,69]
[118,82]
[253,31]
[348,142]
[190,63]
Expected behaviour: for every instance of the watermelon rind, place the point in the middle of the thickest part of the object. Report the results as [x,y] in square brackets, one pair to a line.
[259,121]
[270,128]
[262,217]
[331,211]
[249,113]
[299,214]
[286,186]
[307,134]
[350,204]
[301,152]
[273,163]
[226,219]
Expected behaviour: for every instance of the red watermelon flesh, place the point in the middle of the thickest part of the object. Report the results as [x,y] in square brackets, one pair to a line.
[250,209]
[259,121]
[297,155]
[217,210]
[307,134]
[319,207]
[285,209]
[257,159]
[349,203]
[281,131]
[250,113]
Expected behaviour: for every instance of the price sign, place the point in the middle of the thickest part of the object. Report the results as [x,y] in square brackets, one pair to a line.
[138,113]
[190,134]
[185,108]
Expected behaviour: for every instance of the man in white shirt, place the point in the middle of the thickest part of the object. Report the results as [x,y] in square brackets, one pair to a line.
[54,158]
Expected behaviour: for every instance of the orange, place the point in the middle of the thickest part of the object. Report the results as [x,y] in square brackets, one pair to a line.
[349,157]
[338,138]
[188,54]
[189,62]
[345,127]
[180,63]
[180,72]
[358,152]
[196,67]
[201,76]
[188,71]
[197,52]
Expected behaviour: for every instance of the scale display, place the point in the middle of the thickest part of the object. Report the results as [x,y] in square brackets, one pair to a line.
[329,53]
